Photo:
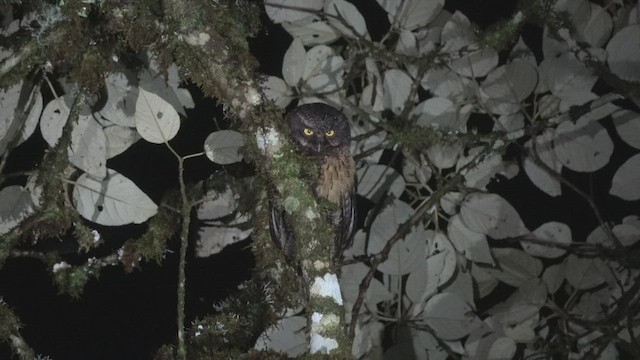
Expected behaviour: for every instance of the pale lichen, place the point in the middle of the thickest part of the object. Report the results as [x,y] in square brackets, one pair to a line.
[319,343]
[268,141]
[291,204]
[327,286]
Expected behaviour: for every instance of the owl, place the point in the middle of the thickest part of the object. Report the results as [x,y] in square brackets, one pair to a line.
[322,133]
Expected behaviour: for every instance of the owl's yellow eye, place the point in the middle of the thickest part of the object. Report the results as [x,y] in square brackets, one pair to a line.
[330,133]
[307,132]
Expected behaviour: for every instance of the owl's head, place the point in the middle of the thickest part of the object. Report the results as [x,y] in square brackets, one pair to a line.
[318,129]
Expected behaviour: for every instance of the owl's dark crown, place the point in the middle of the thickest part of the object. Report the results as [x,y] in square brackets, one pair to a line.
[319,129]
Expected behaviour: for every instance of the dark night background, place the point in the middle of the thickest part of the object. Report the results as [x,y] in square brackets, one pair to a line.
[129,316]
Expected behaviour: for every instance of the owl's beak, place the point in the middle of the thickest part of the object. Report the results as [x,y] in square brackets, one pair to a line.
[319,147]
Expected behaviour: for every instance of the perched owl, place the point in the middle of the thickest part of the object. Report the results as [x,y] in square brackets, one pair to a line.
[322,132]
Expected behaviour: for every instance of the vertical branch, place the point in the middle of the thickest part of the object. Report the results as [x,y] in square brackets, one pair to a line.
[184,243]
[182,279]
[185,213]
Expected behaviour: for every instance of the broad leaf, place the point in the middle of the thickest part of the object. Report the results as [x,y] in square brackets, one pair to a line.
[438,113]
[554,276]
[154,82]
[627,125]
[484,282]
[473,245]
[112,201]
[287,336]
[592,23]
[407,254]
[568,79]
[629,231]
[311,30]
[372,98]
[624,53]
[217,205]
[514,266]
[438,269]
[411,14]
[374,140]
[476,64]
[291,10]
[489,346]
[323,70]
[54,117]
[416,171]
[217,230]
[276,90]
[626,181]
[397,87]
[13,132]
[584,146]
[119,139]
[15,206]
[446,83]
[216,235]
[450,316]
[459,35]
[377,181]
[522,304]
[552,232]
[223,147]
[491,215]
[346,18]
[352,276]
[157,121]
[539,176]
[121,99]
[509,122]
[479,175]
[583,273]
[462,285]
[88,149]
[507,86]
[293,64]
[525,331]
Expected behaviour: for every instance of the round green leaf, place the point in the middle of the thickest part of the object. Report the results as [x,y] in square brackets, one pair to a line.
[157,121]
[626,181]
[450,316]
[223,146]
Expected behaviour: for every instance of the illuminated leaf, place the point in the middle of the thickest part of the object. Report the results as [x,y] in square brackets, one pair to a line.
[223,147]
[112,201]
[157,121]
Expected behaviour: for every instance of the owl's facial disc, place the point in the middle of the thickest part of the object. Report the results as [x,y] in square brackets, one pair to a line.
[319,129]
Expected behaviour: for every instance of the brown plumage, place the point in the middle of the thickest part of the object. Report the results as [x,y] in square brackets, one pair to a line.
[337,177]
[323,133]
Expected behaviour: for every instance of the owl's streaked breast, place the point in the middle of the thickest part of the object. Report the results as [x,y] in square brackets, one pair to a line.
[337,176]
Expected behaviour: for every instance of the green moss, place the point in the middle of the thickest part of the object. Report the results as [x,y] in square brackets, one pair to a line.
[152,244]
[56,217]
[9,333]
[416,138]
[9,322]
[542,12]
[234,330]
[503,34]
[71,280]
[85,236]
